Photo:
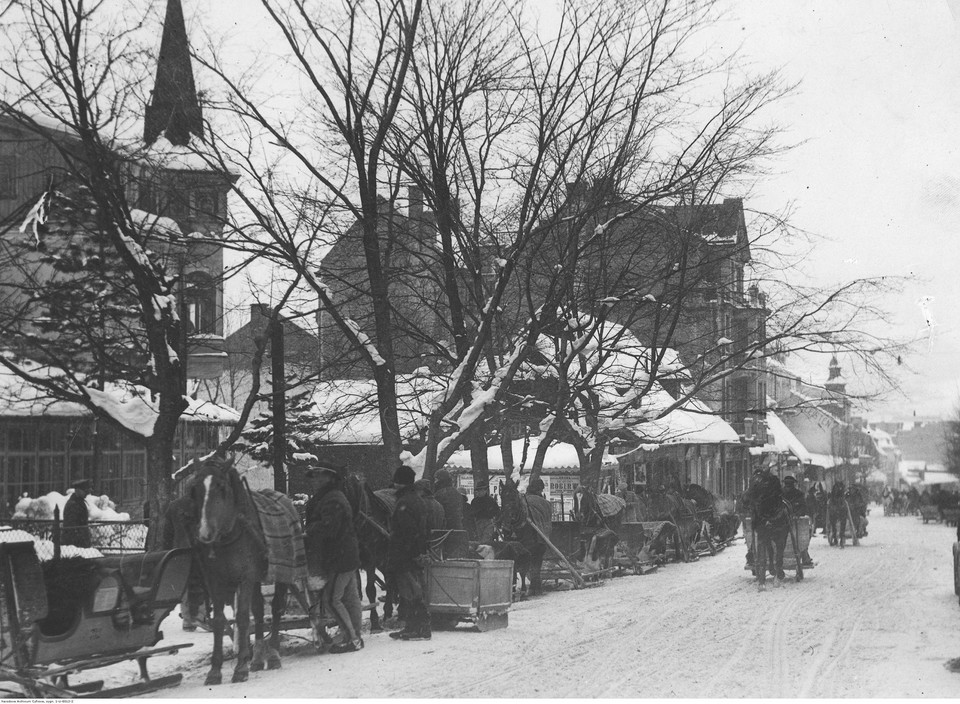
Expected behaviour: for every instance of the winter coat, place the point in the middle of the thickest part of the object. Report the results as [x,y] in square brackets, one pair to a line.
[331,541]
[76,517]
[540,512]
[485,507]
[434,513]
[452,502]
[797,500]
[408,531]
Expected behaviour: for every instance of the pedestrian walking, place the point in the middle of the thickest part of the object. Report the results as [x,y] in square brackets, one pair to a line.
[407,555]
[76,517]
[331,539]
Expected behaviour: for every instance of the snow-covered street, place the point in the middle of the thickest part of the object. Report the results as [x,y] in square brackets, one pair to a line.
[876,620]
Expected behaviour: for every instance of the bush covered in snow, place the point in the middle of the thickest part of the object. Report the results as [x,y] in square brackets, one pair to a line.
[100,508]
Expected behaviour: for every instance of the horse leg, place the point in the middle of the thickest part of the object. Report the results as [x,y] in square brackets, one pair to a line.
[214,676]
[259,648]
[761,558]
[276,612]
[780,547]
[244,598]
[843,531]
[375,625]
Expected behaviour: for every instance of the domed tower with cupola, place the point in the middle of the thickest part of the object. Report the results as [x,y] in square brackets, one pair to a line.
[176,181]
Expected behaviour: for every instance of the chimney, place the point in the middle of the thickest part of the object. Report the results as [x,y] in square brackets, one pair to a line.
[259,318]
[415,203]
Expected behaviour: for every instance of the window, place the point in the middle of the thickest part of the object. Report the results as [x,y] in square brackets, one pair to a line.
[176,204]
[206,202]
[8,177]
[200,303]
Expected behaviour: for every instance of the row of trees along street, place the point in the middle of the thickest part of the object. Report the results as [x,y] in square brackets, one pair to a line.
[562,164]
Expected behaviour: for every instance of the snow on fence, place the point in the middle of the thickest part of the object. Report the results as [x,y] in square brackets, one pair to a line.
[109,537]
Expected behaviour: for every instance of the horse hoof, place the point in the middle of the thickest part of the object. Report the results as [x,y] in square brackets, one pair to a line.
[761,587]
[239,676]
[376,629]
[213,678]
[256,667]
[273,664]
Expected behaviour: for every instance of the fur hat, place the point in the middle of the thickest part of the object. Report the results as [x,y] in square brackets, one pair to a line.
[84,484]
[404,475]
[442,478]
[789,479]
[535,486]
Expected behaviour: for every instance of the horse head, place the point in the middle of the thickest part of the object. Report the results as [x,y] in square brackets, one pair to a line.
[218,494]
[511,510]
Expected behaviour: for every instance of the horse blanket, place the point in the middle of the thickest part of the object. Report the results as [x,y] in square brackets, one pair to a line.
[283,535]
[388,497]
[610,505]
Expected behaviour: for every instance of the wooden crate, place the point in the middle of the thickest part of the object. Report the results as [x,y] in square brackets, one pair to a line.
[476,590]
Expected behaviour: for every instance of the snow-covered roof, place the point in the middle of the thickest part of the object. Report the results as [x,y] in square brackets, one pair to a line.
[693,423]
[128,404]
[560,456]
[784,440]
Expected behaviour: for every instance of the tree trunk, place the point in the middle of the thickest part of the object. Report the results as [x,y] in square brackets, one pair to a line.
[160,486]
[478,461]
[590,466]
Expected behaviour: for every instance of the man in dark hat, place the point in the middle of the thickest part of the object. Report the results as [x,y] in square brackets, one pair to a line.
[406,555]
[76,516]
[333,552]
[540,513]
[794,496]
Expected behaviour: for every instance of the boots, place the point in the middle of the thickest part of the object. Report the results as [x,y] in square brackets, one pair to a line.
[418,625]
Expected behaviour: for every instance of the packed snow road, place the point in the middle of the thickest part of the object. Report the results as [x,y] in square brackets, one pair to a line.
[875,620]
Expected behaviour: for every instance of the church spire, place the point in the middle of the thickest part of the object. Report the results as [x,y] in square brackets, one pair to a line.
[174,110]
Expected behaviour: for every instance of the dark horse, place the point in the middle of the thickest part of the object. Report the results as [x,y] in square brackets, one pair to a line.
[371,518]
[668,505]
[233,555]
[837,515]
[771,526]
[514,525]
[599,525]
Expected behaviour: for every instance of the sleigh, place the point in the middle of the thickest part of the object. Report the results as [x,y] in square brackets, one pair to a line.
[475,591]
[70,615]
[798,541]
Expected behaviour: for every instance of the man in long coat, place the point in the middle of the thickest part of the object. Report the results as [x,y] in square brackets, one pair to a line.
[331,539]
[540,513]
[406,555]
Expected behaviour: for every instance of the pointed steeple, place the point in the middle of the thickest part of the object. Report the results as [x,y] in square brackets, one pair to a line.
[835,381]
[174,110]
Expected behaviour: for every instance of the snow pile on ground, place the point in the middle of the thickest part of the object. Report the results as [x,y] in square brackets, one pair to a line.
[99,508]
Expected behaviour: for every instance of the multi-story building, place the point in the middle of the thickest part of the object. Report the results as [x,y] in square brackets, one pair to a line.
[172,193]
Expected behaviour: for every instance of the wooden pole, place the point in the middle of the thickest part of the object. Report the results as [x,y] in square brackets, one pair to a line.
[577,579]
[278,398]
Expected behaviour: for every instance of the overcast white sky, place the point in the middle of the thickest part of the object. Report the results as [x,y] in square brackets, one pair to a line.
[877,114]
